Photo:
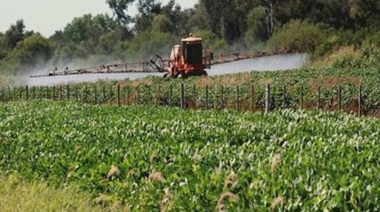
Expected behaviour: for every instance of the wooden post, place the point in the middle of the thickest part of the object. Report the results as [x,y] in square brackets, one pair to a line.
[76,93]
[34,92]
[267,99]
[237,98]
[284,105]
[118,94]
[222,97]
[68,92]
[27,92]
[21,88]
[60,92]
[360,101]
[182,96]
[195,95]
[85,94]
[170,94]
[2,94]
[253,101]
[301,100]
[339,97]
[206,99]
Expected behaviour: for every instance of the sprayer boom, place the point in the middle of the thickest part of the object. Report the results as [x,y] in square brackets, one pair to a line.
[158,65]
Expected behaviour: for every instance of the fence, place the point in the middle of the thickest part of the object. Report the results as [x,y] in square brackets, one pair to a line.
[265,98]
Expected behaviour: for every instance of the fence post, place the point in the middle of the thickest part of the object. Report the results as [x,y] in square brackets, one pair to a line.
[85,94]
[118,94]
[195,95]
[237,98]
[301,100]
[206,100]
[21,88]
[68,92]
[339,97]
[267,99]
[360,101]
[47,92]
[253,102]
[284,105]
[182,96]
[27,92]
[104,93]
[222,97]
[34,92]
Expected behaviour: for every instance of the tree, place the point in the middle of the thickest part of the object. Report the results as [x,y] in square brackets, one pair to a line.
[257,25]
[120,10]
[148,9]
[15,34]
[161,23]
[32,51]
[298,35]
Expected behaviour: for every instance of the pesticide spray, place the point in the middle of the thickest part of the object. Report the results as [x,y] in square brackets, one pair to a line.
[268,63]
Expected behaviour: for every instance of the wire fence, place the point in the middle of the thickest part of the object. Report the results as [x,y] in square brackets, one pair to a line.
[248,97]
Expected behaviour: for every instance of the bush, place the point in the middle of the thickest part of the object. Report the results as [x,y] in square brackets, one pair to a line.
[297,35]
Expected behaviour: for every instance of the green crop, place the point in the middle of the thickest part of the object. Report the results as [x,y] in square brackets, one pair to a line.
[157,158]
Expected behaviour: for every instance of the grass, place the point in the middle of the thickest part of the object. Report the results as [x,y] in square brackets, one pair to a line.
[17,194]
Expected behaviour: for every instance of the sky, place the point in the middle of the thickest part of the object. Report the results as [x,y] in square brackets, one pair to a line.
[47,16]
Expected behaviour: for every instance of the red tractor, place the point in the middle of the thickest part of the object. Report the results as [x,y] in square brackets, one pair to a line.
[188,59]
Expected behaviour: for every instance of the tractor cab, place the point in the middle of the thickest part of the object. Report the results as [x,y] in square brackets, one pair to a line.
[189,58]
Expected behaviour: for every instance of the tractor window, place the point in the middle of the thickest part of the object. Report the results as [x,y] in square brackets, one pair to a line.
[193,53]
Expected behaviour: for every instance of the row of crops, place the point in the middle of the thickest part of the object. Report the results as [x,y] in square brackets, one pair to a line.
[161,158]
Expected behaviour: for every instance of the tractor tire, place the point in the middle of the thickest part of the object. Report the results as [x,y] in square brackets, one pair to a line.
[181,76]
[204,73]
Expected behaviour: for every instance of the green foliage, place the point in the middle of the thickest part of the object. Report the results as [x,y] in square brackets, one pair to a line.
[32,51]
[14,34]
[148,44]
[155,158]
[256,25]
[298,35]
[161,23]
[211,41]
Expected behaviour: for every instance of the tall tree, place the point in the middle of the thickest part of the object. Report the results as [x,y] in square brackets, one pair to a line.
[15,34]
[120,10]
[147,10]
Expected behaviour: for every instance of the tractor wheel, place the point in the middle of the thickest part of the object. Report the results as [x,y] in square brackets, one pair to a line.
[204,73]
[181,76]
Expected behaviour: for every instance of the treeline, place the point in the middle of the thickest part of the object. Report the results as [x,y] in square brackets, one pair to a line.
[315,26]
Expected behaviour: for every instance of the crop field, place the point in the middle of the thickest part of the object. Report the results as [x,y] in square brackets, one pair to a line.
[161,158]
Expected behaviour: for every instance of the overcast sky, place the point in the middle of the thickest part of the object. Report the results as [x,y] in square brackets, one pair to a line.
[47,16]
